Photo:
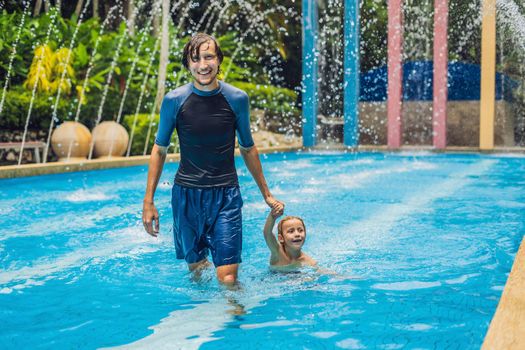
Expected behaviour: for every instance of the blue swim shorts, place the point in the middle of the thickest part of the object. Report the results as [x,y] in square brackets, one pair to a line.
[207,220]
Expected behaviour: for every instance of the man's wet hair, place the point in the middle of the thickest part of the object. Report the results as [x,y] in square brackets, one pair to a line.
[192,48]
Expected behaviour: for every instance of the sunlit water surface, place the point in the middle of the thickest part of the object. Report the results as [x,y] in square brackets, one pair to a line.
[422,245]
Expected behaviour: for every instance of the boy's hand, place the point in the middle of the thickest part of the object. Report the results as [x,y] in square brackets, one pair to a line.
[275,214]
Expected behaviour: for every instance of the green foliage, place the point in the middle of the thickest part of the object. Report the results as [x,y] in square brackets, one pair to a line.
[140,132]
[271,99]
[16,107]
[94,49]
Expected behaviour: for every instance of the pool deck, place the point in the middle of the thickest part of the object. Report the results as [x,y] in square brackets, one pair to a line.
[507,328]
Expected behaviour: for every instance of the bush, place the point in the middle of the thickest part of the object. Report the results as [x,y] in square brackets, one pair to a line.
[16,107]
[273,100]
[279,105]
[140,133]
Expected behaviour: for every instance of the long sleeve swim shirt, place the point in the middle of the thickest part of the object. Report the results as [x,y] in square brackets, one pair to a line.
[206,123]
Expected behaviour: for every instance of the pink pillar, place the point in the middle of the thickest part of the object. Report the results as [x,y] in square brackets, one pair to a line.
[395,72]
[439,114]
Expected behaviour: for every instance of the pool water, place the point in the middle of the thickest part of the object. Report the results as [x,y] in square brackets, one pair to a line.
[422,245]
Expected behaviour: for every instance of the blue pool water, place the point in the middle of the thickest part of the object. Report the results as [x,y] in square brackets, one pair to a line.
[422,244]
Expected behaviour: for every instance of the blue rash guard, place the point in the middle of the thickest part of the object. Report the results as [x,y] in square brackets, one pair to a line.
[206,122]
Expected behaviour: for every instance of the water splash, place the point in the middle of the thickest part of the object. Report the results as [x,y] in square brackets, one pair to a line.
[142,91]
[39,67]
[108,80]
[220,17]
[213,5]
[150,126]
[63,74]
[331,46]
[90,68]
[509,13]
[82,196]
[213,14]
[257,19]
[154,11]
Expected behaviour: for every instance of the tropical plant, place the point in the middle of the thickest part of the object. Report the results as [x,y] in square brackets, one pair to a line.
[50,70]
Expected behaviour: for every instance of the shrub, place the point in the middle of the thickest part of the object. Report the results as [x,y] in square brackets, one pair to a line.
[279,105]
[16,107]
[274,100]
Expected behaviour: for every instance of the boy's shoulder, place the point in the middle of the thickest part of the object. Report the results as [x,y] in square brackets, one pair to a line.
[308,260]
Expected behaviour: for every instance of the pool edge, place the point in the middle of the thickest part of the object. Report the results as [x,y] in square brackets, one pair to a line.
[24,170]
[507,327]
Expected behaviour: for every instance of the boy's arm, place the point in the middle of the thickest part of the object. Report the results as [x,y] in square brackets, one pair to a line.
[269,237]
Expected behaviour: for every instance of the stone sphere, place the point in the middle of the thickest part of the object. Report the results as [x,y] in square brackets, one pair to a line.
[110,139]
[71,141]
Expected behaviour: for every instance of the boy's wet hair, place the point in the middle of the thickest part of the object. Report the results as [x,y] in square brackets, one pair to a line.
[286,218]
[192,48]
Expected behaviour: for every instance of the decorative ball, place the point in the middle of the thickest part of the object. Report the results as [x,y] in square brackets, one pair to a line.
[71,141]
[110,139]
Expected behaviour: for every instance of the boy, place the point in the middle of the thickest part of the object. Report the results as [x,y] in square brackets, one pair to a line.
[286,250]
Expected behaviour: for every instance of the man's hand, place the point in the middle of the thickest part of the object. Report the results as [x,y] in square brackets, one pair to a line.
[276,205]
[150,218]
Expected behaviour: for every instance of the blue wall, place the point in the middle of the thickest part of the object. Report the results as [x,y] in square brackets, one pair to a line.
[463,79]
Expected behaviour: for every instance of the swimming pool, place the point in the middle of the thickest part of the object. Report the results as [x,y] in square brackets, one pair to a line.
[431,237]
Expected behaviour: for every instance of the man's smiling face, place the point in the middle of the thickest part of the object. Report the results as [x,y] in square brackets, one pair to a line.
[204,66]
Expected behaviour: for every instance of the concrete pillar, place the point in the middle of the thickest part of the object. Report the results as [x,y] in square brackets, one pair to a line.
[395,72]
[309,78]
[439,108]
[351,74]
[488,75]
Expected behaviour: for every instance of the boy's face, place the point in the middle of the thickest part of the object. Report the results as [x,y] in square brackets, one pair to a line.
[204,67]
[293,235]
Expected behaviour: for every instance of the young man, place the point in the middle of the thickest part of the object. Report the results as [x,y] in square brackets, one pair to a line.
[206,199]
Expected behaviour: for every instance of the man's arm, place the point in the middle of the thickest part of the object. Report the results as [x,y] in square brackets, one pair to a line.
[150,215]
[168,111]
[253,163]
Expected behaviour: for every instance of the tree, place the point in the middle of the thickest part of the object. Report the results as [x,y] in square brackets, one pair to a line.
[38,7]
[79,7]
[95,8]
[131,17]
[156,21]
[164,52]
